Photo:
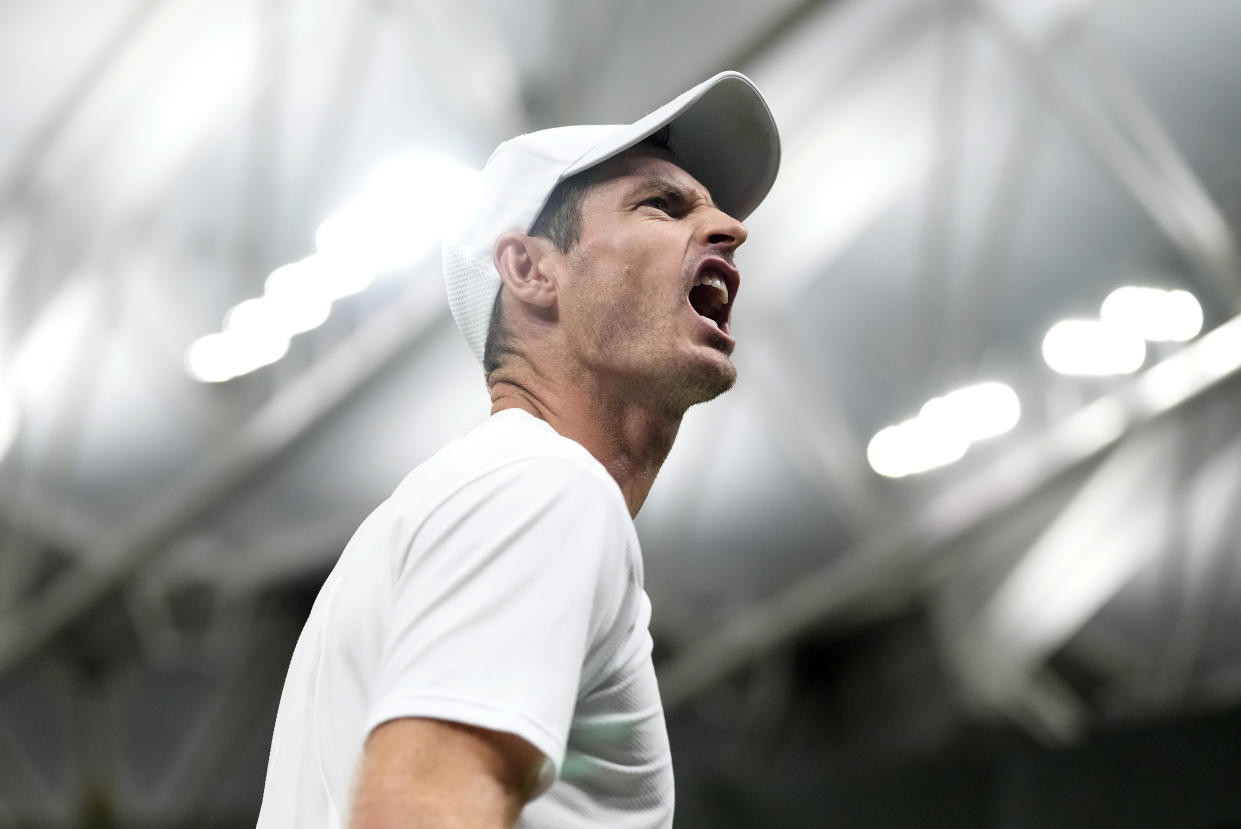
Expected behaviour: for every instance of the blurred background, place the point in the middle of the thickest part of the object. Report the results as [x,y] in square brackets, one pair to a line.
[961,548]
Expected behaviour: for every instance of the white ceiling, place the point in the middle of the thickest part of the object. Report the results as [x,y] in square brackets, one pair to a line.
[957,176]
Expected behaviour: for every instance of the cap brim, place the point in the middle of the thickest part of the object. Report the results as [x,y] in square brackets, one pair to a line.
[723,134]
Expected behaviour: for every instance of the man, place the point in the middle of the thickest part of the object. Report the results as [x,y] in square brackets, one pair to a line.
[480,655]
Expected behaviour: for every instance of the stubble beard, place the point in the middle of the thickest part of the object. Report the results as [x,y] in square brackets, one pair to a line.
[670,379]
[709,383]
[674,382]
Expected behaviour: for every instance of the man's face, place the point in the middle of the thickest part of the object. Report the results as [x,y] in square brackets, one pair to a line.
[646,298]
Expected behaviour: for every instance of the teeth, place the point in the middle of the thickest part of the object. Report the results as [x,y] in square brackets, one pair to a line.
[713,281]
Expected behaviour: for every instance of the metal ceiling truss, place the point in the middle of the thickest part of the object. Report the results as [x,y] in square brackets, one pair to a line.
[928,310]
[893,564]
[73,589]
[97,69]
[1142,158]
[1076,565]
[886,570]
[808,424]
[272,431]
[1208,555]
[21,782]
[276,427]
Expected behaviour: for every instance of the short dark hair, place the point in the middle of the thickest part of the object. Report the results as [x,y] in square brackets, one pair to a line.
[560,220]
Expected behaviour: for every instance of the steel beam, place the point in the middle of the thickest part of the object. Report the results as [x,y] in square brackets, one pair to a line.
[140,220]
[460,51]
[21,783]
[1191,222]
[68,421]
[28,159]
[44,520]
[1078,563]
[275,428]
[28,162]
[928,309]
[962,339]
[136,216]
[1185,189]
[808,423]
[278,426]
[226,723]
[357,50]
[1205,565]
[885,570]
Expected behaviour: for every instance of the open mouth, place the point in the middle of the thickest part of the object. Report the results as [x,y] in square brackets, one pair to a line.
[713,291]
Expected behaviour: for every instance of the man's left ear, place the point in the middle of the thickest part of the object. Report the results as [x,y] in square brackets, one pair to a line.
[522,262]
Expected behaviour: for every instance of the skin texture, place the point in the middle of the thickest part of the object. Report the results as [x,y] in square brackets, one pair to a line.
[422,773]
[609,351]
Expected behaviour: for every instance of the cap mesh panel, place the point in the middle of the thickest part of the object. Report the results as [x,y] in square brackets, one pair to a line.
[471,283]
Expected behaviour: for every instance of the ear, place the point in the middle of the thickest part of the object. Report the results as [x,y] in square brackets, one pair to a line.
[522,262]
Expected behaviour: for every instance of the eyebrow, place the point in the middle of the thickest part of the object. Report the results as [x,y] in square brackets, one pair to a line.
[669,188]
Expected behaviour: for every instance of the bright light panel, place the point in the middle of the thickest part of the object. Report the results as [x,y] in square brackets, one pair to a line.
[317,277]
[944,429]
[405,207]
[284,314]
[975,412]
[219,357]
[1153,314]
[912,447]
[1092,348]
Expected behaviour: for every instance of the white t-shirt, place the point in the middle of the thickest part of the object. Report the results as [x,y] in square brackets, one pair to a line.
[499,586]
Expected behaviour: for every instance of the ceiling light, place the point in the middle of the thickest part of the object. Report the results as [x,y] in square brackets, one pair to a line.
[1093,348]
[944,429]
[282,316]
[296,298]
[317,276]
[912,447]
[219,357]
[406,205]
[1153,313]
[404,208]
[975,412]
[209,359]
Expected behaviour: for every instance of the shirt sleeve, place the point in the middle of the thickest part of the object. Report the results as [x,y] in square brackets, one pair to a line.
[499,600]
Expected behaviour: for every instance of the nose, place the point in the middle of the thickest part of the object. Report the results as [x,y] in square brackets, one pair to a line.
[720,229]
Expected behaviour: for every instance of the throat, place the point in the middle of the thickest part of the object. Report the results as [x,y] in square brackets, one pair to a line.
[708,303]
[630,435]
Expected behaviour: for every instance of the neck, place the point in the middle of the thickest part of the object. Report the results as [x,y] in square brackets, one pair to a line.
[630,436]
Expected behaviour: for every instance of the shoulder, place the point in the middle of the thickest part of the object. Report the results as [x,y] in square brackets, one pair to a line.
[552,494]
[513,448]
[514,486]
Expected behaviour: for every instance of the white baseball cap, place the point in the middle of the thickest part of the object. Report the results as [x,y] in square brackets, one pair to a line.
[721,132]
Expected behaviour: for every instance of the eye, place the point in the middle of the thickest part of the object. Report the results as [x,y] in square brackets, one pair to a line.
[657,202]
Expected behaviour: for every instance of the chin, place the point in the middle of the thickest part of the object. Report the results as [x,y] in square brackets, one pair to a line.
[706,380]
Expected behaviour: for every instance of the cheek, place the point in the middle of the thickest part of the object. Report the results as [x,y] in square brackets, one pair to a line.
[626,291]
[597,301]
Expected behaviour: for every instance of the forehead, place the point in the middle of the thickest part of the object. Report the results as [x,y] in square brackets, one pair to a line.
[643,163]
